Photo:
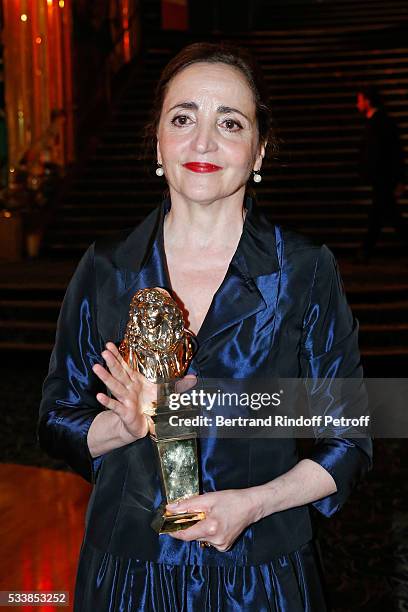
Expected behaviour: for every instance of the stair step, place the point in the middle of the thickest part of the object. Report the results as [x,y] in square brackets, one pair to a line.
[395,311]
[29,325]
[27,332]
[387,351]
[23,346]
[40,310]
[385,297]
[40,291]
[383,335]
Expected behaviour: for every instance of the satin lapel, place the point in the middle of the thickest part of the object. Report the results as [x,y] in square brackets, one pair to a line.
[140,262]
[237,298]
[252,279]
[153,274]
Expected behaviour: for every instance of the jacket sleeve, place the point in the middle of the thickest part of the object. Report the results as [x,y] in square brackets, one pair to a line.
[69,403]
[329,352]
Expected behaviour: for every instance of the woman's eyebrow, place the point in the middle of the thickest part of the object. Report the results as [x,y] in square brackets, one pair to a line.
[230,109]
[221,109]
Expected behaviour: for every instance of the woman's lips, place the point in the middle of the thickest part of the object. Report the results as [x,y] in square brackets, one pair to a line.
[201,167]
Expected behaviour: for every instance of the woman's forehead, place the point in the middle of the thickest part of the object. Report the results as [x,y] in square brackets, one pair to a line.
[221,82]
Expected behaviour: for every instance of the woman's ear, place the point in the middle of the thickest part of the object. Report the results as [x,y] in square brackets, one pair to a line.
[260,156]
[159,157]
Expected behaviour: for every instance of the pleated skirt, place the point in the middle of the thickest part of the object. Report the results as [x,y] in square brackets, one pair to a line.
[289,583]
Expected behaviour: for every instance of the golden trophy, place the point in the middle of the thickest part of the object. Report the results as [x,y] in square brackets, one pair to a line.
[157,344]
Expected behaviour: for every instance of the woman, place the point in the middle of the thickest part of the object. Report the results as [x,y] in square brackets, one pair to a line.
[262,302]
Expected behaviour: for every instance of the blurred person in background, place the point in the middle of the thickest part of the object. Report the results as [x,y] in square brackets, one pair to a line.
[382,167]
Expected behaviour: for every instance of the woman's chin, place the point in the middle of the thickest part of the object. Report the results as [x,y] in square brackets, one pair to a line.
[201,195]
[204,193]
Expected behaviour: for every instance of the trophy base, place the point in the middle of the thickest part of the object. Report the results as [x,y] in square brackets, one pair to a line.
[164,522]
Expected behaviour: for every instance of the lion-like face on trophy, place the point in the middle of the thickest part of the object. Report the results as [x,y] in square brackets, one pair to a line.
[156,319]
[156,342]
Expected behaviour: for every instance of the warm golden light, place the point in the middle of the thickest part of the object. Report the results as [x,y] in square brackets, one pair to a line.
[49,2]
[38,40]
[23,17]
[7,214]
[126,34]
[61,3]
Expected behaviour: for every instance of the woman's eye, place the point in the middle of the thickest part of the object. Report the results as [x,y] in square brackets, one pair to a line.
[232,125]
[180,120]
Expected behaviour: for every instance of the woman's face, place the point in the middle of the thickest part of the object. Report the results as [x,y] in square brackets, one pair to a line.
[207,138]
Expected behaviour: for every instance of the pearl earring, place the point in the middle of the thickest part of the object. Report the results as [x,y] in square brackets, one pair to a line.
[257,176]
[159,170]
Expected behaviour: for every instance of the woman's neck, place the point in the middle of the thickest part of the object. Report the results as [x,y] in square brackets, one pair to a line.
[197,226]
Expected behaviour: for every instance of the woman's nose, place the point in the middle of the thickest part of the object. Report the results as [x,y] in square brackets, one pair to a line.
[204,139]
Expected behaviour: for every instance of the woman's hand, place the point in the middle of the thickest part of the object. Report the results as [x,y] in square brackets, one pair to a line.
[133,394]
[228,513]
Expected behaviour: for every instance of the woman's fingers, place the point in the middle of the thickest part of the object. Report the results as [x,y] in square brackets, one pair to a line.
[113,385]
[137,425]
[124,372]
[115,366]
[138,391]
[203,530]
[115,351]
[118,366]
[110,402]
[186,383]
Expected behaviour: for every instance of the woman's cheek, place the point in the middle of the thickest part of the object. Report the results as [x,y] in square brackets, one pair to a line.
[241,160]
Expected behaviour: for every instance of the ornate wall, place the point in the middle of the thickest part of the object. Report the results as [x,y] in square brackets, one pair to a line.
[38,81]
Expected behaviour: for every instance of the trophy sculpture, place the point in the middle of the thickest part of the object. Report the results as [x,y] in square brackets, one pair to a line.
[157,344]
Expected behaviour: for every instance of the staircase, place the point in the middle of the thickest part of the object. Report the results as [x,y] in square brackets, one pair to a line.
[300,14]
[313,76]
[313,187]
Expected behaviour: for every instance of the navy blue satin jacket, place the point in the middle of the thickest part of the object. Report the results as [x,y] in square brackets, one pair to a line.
[280,311]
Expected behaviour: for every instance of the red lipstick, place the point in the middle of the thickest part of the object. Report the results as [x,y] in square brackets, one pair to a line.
[201,167]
